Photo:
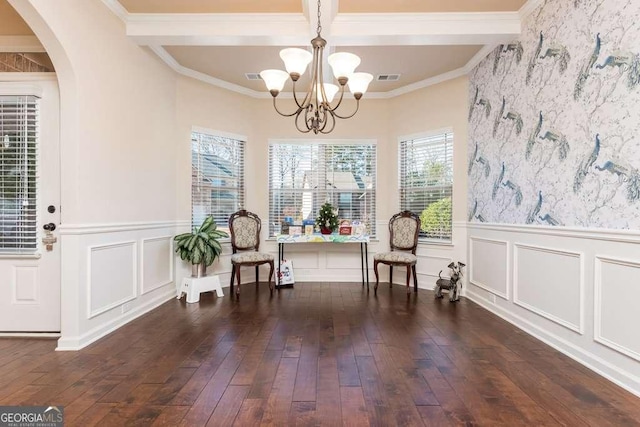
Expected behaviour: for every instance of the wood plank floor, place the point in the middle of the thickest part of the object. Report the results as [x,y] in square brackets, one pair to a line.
[324,354]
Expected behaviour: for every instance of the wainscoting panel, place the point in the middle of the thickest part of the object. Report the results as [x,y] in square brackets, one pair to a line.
[432,265]
[550,283]
[617,292]
[112,276]
[489,264]
[575,289]
[25,285]
[157,263]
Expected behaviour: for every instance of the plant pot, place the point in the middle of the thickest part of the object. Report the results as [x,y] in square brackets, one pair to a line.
[325,230]
[198,270]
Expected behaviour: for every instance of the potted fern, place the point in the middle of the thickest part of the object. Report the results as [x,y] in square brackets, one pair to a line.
[201,247]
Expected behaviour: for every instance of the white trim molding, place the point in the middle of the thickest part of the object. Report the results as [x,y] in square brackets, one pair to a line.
[484,286]
[610,235]
[91,313]
[21,44]
[143,289]
[579,328]
[81,229]
[597,332]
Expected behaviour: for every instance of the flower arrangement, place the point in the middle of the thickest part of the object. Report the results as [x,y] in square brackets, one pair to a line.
[327,218]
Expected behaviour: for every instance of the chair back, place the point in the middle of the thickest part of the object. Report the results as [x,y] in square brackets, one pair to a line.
[404,228]
[245,229]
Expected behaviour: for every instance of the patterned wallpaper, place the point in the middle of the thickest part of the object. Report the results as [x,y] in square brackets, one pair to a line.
[554,120]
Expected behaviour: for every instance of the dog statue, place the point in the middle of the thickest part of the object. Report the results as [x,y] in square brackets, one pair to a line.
[453,285]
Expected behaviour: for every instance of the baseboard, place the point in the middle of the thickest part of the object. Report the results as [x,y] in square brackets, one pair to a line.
[78,343]
[600,366]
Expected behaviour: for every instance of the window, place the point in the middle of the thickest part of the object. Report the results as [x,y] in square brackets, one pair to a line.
[426,183]
[18,174]
[304,176]
[217,178]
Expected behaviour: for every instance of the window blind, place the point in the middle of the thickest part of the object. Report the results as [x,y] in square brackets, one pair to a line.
[217,173]
[426,183]
[18,174]
[304,176]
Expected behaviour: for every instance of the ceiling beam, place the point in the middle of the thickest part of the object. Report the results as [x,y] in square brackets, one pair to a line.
[345,30]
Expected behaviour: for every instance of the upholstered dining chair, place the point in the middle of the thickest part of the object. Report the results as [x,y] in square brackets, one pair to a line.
[404,228]
[245,229]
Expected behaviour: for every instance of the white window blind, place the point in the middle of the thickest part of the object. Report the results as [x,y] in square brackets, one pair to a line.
[304,176]
[18,174]
[426,183]
[217,173]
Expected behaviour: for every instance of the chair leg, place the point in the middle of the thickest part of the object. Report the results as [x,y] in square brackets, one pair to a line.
[408,278]
[390,275]
[233,275]
[415,279]
[270,275]
[239,281]
[375,270]
[257,275]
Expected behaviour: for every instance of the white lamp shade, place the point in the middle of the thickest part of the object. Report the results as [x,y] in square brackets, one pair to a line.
[330,91]
[343,64]
[274,79]
[296,60]
[359,82]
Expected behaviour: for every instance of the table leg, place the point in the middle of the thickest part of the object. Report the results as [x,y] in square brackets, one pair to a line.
[362,261]
[280,256]
[366,261]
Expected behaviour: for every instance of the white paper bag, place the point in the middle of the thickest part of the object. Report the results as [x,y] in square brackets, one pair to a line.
[285,273]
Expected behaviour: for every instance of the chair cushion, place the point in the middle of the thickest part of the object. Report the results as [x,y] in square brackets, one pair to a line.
[395,256]
[246,257]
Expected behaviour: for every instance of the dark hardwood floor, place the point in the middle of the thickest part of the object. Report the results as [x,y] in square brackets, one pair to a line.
[319,354]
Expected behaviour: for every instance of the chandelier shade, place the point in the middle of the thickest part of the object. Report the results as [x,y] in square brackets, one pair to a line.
[313,110]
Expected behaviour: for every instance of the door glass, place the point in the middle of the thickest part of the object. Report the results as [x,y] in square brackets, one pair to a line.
[18,174]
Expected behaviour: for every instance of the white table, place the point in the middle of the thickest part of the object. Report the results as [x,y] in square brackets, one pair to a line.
[334,238]
[193,286]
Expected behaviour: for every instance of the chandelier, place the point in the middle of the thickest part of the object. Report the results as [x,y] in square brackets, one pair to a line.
[315,110]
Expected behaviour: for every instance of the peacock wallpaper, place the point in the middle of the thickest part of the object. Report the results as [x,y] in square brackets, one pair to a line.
[554,120]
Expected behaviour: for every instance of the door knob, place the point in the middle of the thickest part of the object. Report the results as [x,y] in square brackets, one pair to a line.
[49,227]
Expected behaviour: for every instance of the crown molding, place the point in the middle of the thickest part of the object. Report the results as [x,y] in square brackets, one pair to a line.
[20,44]
[117,9]
[180,69]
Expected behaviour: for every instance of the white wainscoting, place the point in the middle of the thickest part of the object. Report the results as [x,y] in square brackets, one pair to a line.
[490,265]
[555,291]
[617,294]
[577,290]
[113,273]
[157,263]
[111,276]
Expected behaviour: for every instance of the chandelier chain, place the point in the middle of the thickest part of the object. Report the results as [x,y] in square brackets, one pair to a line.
[319,29]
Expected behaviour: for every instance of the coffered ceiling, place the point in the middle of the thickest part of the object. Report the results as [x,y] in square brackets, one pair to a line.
[422,41]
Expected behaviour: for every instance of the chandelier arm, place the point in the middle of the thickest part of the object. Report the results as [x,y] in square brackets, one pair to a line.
[333,109]
[295,98]
[352,114]
[298,126]
[333,124]
[275,106]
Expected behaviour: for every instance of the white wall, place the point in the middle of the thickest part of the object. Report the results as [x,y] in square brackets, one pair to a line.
[118,166]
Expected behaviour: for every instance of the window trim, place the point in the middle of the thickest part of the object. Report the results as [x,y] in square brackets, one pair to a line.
[428,134]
